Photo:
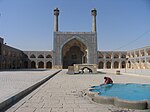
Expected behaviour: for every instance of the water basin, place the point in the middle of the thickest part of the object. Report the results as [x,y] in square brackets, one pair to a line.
[133,96]
[133,92]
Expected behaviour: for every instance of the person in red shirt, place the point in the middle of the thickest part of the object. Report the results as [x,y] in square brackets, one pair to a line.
[108,80]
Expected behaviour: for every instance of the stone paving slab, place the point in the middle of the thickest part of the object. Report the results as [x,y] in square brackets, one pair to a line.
[64,93]
[16,83]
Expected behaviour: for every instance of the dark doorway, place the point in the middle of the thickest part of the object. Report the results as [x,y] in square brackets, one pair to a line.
[73,56]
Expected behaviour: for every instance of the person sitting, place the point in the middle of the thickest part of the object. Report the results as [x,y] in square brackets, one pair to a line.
[108,80]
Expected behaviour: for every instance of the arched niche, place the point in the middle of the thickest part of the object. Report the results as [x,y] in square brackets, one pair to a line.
[74,52]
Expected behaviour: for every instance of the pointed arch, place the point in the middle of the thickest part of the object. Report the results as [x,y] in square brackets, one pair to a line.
[116,64]
[101,65]
[48,56]
[32,56]
[41,64]
[123,56]
[77,38]
[108,56]
[116,56]
[74,52]
[40,56]
[108,64]
[123,64]
[49,64]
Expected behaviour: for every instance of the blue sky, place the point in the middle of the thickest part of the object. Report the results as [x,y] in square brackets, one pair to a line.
[121,24]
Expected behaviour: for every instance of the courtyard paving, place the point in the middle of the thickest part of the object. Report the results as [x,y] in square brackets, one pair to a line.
[12,82]
[64,93]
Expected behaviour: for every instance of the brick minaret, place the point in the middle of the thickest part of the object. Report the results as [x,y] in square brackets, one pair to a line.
[94,13]
[56,13]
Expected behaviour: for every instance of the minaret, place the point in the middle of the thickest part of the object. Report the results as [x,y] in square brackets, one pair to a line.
[94,13]
[56,13]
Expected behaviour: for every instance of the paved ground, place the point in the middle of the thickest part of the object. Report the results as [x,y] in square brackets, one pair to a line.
[12,82]
[136,72]
[63,93]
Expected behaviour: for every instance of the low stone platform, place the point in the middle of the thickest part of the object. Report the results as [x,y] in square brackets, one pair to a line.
[83,68]
[91,67]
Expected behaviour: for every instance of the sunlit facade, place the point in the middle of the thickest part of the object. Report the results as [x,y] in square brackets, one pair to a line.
[73,48]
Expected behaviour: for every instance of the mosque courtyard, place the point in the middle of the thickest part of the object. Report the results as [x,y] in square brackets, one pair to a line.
[64,92]
[37,80]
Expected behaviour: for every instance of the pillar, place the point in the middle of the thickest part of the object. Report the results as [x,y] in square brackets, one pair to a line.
[119,66]
[112,64]
[104,67]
